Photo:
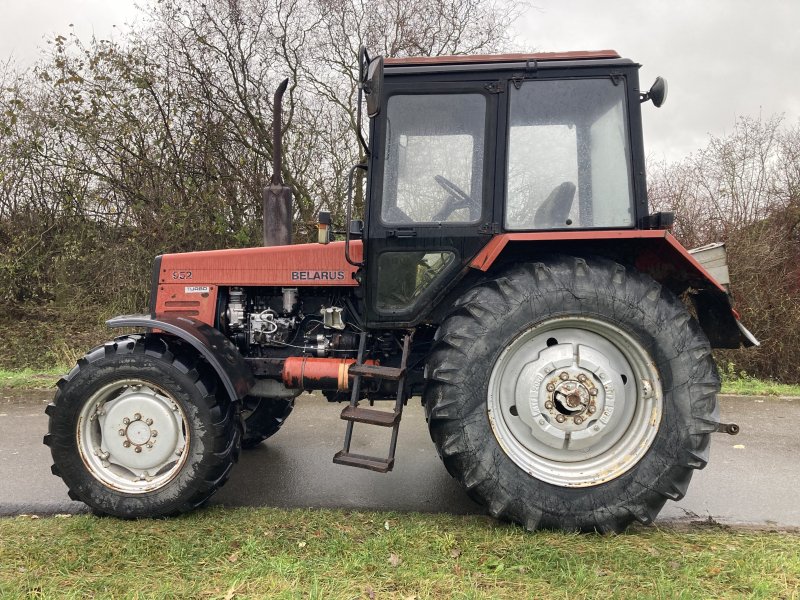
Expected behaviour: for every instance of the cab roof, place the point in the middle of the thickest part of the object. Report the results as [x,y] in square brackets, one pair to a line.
[495,62]
[499,58]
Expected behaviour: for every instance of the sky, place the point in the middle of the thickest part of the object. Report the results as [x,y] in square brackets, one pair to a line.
[722,58]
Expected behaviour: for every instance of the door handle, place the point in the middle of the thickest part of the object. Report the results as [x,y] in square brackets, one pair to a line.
[401,233]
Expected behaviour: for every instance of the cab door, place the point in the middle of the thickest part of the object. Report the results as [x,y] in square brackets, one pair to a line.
[431,181]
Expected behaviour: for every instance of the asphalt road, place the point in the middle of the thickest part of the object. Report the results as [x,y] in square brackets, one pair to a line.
[753,478]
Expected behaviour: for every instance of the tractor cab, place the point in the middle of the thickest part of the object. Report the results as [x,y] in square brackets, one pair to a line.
[465,148]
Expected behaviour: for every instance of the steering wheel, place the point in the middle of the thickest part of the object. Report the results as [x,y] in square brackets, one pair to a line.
[457,199]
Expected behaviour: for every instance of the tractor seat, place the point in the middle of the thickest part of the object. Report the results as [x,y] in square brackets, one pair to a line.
[554,211]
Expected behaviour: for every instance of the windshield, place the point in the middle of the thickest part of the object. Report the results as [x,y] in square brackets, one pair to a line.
[568,156]
[433,161]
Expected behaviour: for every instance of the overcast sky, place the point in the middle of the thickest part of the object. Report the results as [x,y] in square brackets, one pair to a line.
[722,58]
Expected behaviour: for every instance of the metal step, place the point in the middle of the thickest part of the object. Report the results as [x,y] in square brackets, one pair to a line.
[370,416]
[377,372]
[373,463]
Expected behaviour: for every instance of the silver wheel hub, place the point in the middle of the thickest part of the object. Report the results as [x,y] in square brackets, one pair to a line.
[132,436]
[572,401]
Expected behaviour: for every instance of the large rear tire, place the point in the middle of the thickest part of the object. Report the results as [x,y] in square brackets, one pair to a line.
[139,428]
[589,399]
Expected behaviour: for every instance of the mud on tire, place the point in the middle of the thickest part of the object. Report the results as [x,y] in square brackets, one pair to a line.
[513,331]
[139,428]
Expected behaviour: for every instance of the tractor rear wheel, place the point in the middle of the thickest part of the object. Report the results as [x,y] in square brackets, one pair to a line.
[263,417]
[139,428]
[589,400]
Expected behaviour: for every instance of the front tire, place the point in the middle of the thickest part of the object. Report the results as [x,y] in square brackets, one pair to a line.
[589,398]
[139,429]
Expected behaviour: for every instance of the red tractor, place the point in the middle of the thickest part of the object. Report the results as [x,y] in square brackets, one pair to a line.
[507,270]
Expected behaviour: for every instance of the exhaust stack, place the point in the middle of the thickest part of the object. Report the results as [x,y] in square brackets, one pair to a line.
[277,199]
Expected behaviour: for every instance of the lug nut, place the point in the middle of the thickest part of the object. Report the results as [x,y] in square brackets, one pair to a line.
[126,443]
[560,418]
[153,433]
[551,387]
[578,420]
[121,432]
[564,376]
[149,444]
[591,410]
[593,392]
[149,421]
[548,405]
[581,377]
[137,449]
[126,420]
[137,417]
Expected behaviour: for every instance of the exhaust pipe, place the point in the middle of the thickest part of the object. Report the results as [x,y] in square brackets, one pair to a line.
[277,198]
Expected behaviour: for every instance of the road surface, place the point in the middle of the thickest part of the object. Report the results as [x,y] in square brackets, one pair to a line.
[752,478]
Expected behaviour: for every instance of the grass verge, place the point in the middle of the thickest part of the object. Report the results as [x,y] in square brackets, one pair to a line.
[42,379]
[757,387]
[31,379]
[238,553]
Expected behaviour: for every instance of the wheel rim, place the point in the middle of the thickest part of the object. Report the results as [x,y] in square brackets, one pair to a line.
[132,436]
[575,401]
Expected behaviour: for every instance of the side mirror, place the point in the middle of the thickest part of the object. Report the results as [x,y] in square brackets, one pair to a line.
[373,84]
[657,92]
[324,227]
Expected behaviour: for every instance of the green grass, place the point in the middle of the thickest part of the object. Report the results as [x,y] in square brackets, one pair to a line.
[43,379]
[271,553]
[31,379]
[757,387]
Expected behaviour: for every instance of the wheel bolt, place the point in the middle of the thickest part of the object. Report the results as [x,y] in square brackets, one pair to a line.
[153,433]
[126,443]
[149,444]
[564,376]
[551,387]
[593,392]
[149,421]
[591,410]
[137,417]
[578,420]
[126,420]
[560,418]
[137,449]
[548,405]
[581,377]
[121,432]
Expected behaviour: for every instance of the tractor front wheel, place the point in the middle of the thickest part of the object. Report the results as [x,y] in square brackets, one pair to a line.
[139,429]
[589,399]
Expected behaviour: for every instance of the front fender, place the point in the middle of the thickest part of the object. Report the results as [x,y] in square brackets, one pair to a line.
[218,350]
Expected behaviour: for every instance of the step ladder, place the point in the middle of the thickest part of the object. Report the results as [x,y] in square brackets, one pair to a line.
[353,413]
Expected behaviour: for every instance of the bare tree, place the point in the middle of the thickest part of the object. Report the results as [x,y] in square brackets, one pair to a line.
[744,189]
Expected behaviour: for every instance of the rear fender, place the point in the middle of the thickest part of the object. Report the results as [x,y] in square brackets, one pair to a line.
[220,353]
[655,252]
